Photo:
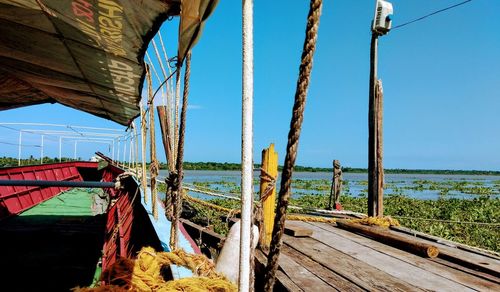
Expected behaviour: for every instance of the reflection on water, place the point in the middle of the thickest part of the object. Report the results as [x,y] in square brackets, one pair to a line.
[420,186]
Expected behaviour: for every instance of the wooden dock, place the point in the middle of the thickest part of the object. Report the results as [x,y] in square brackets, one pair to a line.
[333,259]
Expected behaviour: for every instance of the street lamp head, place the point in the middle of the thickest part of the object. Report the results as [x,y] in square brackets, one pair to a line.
[382,21]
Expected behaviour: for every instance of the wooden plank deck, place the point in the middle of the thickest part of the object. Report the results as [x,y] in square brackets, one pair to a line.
[333,259]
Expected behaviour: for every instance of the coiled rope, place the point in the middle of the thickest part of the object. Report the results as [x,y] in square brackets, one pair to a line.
[293,141]
[145,273]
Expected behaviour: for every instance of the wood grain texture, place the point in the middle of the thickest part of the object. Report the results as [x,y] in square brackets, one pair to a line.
[365,276]
[432,266]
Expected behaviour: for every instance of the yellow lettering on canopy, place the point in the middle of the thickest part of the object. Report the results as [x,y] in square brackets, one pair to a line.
[110,9]
[108,22]
[115,64]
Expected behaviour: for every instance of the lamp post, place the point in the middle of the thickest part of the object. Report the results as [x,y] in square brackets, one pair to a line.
[381,25]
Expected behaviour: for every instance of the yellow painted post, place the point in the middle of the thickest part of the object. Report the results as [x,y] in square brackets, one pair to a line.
[269,174]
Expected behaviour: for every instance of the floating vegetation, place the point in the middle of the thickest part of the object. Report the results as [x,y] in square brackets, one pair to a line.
[473,221]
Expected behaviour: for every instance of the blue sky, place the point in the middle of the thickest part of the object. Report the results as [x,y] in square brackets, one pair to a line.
[441,80]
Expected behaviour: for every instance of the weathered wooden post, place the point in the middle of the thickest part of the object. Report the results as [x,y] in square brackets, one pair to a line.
[380,26]
[269,173]
[336,189]
[379,96]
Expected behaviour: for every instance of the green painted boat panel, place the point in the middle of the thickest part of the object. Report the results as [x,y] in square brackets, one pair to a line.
[56,244]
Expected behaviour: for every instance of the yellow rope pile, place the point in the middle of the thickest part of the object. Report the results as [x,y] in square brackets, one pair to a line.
[310,218]
[386,221]
[145,274]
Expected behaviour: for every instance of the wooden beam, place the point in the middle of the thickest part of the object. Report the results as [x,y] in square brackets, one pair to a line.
[268,177]
[207,236]
[296,231]
[384,235]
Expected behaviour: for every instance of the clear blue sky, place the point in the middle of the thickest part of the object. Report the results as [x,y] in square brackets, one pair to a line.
[441,81]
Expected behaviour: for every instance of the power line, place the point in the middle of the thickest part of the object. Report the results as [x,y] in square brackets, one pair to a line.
[430,14]
[15,144]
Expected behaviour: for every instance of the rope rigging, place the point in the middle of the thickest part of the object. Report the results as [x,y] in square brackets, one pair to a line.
[175,185]
[293,141]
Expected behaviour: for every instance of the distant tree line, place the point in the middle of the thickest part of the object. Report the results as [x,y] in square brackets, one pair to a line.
[10,161]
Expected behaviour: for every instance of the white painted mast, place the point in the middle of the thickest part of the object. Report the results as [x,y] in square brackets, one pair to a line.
[247,150]
[41,151]
[20,145]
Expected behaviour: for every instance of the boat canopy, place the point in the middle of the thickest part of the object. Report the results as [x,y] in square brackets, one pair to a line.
[86,54]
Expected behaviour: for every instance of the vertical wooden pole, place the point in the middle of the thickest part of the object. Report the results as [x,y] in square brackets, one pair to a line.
[372,131]
[165,136]
[143,152]
[152,145]
[269,174]
[379,96]
[336,188]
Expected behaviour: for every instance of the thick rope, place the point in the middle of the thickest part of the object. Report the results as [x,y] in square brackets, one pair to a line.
[177,188]
[176,107]
[144,180]
[310,218]
[386,221]
[145,273]
[153,168]
[293,141]
[271,180]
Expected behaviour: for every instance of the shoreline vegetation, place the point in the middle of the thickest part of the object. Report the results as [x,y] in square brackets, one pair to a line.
[473,221]
[227,166]
[470,221]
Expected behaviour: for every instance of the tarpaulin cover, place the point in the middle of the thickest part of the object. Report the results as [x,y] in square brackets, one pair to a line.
[86,54]
[193,15]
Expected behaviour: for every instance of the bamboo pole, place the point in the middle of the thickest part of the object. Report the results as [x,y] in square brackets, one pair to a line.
[385,236]
[269,174]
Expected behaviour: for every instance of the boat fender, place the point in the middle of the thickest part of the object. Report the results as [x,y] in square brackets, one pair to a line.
[229,258]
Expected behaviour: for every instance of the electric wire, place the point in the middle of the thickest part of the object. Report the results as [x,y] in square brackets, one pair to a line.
[430,14]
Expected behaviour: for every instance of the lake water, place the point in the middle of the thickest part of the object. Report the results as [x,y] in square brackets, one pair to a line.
[357,183]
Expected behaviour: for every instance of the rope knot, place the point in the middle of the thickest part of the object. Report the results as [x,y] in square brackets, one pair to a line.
[173,181]
[154,167]
[271,180]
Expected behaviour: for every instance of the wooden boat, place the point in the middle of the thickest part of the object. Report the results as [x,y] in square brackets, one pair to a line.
[62,237]
[88,55]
